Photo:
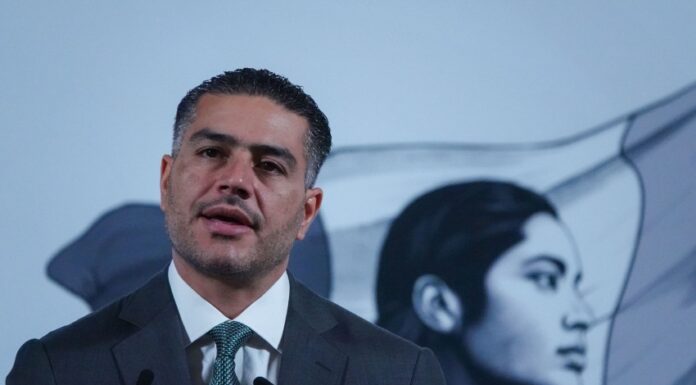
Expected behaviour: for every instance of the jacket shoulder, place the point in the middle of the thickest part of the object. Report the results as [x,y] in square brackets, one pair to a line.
[324,315]
[116,320]
[82,352]
[101,325]
[70,351]
[372,350]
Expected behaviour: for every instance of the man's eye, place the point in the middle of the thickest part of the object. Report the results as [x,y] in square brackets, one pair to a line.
[211,153]
[269,167]
[544,281]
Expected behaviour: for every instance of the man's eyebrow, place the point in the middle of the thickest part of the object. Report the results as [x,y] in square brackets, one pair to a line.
[279,152]
[550,259]
[208,134]
[256,149]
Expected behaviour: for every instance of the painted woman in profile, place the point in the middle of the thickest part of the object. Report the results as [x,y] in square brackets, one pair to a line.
[486,274]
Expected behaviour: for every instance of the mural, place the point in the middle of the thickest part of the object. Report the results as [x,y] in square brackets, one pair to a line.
[544,263]
[487,275]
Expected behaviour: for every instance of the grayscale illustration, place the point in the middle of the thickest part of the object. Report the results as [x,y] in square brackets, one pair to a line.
[623,190]
[487,275]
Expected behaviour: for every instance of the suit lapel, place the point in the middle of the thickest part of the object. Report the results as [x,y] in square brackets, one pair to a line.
[155,352]
[307,357]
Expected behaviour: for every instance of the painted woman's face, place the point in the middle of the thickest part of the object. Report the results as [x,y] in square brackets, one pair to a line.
[533,327]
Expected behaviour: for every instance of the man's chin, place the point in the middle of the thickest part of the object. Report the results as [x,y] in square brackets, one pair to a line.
[221,266]
[232,269]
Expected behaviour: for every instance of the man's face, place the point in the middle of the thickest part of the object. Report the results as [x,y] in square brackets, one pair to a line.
[234,195]
[533,327]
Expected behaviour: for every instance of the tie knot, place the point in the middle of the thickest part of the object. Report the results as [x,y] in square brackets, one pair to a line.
[229,336]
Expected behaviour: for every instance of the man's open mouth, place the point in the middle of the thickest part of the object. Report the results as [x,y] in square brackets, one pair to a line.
[229,215]
[227,221]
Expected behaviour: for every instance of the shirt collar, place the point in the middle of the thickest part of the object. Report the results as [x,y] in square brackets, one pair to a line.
[266,316]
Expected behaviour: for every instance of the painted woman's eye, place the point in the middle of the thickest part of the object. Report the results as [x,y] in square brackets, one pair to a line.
[545,272]
[543,280]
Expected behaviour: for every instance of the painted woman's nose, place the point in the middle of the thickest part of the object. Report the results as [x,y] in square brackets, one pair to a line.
[579,316]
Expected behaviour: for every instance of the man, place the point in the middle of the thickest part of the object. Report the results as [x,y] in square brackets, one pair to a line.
[236,192]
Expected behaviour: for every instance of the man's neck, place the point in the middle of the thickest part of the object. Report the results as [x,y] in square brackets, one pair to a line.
[229,295]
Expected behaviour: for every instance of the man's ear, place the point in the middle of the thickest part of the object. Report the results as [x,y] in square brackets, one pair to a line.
[313,197]
[436,305]
[165,172]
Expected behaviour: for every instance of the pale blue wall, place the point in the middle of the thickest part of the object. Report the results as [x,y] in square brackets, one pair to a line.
[88,92]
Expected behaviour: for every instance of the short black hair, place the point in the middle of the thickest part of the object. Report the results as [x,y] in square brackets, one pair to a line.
[455,232]
[262,82]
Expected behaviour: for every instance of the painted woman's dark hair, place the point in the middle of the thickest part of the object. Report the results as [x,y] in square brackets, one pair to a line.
[456,233]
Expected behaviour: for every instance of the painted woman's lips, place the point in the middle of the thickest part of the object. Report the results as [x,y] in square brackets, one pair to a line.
[227,221]
[573,357]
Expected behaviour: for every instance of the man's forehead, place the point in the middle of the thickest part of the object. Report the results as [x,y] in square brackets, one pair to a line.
[243,100]
[245,109]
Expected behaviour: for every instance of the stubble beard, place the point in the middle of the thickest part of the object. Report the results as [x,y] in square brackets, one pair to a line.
[240,269]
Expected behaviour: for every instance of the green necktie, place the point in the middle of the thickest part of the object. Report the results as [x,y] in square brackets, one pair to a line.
[229,336]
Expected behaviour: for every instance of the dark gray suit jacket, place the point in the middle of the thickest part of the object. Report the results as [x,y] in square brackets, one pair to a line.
[140,340]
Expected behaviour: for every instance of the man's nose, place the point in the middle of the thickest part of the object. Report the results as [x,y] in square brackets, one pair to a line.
[237,177]
[579,316]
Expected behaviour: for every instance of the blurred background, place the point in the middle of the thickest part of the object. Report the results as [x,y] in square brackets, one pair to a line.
[89,92]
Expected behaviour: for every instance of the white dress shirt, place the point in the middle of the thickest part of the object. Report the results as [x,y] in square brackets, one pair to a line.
[260,355]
